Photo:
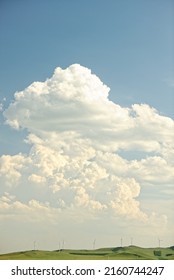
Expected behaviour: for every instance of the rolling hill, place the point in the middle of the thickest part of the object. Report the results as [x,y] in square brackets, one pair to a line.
[115,253]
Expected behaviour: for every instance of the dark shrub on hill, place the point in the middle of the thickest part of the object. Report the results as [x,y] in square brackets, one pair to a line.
[157,253]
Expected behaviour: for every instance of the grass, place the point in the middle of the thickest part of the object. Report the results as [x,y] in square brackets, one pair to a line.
[117,253]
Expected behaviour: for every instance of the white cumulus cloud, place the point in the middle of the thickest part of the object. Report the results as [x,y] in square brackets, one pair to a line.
[76,137]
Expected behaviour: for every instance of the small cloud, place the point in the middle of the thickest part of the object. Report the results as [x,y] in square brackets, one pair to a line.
[36,179]
[2,104]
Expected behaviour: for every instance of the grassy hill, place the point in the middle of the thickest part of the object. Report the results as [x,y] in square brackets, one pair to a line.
[118,253]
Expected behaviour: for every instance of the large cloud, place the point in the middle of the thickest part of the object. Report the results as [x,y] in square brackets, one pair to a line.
[74,100]
[77,136]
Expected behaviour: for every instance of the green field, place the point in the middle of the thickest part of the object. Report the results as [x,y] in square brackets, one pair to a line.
[117,253]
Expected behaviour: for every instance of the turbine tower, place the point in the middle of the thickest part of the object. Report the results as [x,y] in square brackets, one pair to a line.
[34,245]
[159,242]
[63,243]
[131,241]
[121,242]
[94,244]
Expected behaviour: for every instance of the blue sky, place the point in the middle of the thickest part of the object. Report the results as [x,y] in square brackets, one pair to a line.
[129,46]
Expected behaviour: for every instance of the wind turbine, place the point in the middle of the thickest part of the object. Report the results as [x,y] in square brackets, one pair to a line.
[63,243]
[131,241]
[34,245]
[94,244]
[121,242]
[159,242]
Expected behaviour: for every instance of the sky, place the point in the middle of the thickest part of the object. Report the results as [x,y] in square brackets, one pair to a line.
[86,124]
